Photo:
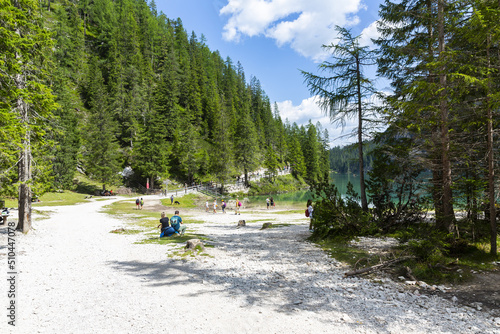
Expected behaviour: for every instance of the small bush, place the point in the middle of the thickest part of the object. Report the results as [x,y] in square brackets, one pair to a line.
[336,217]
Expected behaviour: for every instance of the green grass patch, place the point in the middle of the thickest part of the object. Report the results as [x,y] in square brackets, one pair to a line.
[287,212]
[188,201]
[455,268]
[187,221]
[59,198]
[279,225]
[346,253]
[84,185]
[192,253]
[41,215]
[142,218]
[125,231]
[154,238]
[438,269]
[10,202]
[128,208]
[260,220]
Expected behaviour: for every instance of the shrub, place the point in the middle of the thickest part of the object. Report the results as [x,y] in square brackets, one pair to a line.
[335,217]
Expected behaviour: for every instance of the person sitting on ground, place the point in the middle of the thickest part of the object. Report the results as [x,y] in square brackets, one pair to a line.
[176,223]
[166,229]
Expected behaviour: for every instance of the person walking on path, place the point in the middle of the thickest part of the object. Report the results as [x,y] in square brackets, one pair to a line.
[215,205]
[267,202]
[238,206]
[176,223]
[166,229]
[272,203]
[137,203]
[310,214]
[142,203]
[172,199]
[223,206]
[206,206]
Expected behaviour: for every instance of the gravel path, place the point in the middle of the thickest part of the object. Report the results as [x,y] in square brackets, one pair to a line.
[76,277]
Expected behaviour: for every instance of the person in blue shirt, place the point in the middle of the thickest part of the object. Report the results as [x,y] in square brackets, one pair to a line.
[176,223]
[166,229]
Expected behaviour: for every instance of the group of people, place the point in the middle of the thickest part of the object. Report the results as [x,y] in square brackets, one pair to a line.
[270,202]
[223,206]
[139,203]
[172,226]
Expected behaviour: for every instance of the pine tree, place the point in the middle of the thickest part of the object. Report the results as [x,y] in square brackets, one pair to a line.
[415,55]
[26,102]
[271,163]
[312,154]
[246,144]
[102,152]
[66,128]
[342,93]
[296,158]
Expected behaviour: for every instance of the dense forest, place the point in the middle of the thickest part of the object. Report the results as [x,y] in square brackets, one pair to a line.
[439,147]
[344,159]
[100,85]
[97,86]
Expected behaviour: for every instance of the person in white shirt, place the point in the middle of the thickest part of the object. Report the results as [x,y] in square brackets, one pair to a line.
[310,210]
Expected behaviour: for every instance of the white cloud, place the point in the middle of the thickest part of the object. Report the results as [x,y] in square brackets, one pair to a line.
[368,33]
[309,110]
[305,25]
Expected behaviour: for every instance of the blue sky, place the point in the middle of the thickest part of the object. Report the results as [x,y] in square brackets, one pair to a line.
[274,39]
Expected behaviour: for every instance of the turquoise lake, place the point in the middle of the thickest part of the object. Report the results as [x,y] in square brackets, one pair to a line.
[340,180]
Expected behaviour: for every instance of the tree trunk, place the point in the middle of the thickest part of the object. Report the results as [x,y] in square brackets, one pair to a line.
[446,223]
[364,202]
[436,189]
[491,169]
[24,165]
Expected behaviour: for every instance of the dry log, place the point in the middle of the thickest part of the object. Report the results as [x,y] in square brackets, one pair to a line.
[410,274]
[378,266]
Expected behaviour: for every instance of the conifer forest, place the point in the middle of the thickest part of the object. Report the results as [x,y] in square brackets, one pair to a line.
[95,86]
[112,84]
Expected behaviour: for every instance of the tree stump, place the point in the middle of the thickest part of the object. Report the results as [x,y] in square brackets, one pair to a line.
[193,244]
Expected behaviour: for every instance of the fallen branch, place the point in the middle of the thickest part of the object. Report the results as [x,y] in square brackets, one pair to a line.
[378,266]
[356,264]
[409,273]
[440,266]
